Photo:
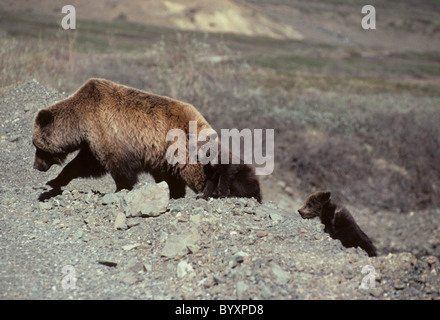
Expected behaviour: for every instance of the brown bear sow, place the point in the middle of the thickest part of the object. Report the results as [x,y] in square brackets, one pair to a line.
[230,180]
[338,222]
[117,130]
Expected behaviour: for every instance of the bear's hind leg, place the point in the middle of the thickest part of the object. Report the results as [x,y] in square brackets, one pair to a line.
[124,181]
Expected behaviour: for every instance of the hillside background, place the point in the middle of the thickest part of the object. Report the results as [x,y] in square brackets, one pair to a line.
[354,111]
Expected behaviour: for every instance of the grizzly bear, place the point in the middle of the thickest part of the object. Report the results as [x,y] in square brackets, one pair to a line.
[117,130]
[230,180]
[338,221]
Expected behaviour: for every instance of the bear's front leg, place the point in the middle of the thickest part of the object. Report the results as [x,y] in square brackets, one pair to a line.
[84,165]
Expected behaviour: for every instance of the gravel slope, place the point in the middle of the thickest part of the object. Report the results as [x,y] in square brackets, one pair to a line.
[196,249]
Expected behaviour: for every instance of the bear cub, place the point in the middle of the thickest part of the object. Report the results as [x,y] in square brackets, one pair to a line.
[230,180]
[338,221]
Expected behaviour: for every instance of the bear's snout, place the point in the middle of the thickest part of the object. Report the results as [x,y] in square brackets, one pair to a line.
[41,165]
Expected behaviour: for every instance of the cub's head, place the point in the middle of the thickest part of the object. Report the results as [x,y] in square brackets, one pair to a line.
[314,204]
[47,151]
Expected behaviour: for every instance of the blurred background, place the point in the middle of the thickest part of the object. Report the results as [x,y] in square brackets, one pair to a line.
[354,111]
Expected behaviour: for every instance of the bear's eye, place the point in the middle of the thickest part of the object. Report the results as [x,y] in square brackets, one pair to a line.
[308,205]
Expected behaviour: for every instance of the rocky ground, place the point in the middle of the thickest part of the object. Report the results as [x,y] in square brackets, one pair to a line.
[119,248]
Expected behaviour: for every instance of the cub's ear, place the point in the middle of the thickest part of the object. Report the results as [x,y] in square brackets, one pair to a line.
[44,117]
[325,196]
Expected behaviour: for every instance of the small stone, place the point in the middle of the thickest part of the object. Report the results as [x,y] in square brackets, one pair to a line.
[177,245]
[90,220]
[78,234]
[184,268]
[132,223]
[431,260]
[130,279]
[108,263]
[120,221]
[241,287]
[281,276]
[193,248]
[45,205]
[209,282]
[134,265]
[275,217]
[147,267]
[261,233]
[131,246]
[399,285]
[110,198]
[289,191]
[238,258]
[196,218]
[376,292]
[281,184]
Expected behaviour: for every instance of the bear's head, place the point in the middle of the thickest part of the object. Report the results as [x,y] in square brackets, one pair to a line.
[47,151]
[314,204]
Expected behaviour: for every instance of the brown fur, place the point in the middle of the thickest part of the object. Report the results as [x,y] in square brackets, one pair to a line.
[338,221]
[231,180]
[118,130]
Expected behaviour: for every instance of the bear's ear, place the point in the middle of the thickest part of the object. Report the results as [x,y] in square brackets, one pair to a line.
[44,117]
[325,196]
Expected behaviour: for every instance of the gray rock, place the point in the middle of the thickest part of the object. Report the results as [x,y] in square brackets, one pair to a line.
[45,205]
[241,287]
[147,200]
[281,276]
[110,198]
[275,216]
[120,221]
[178,244]
[184,269]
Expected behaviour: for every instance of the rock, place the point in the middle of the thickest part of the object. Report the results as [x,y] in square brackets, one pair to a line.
[241,287]
[45,205]
[261,233]
[108,262]
[178,244]
[193,248]
[132,223]
[134,265]
[196,218]
[147,200]
[240,256]
[184,268]
[130,279]
[110,198]
[376,292]
[130,246]
[281,276]
[147,267]
[275,216]
[399,285]
[120,221]
[78,234]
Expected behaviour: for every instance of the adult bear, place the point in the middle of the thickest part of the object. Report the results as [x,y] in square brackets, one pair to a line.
[117,130]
